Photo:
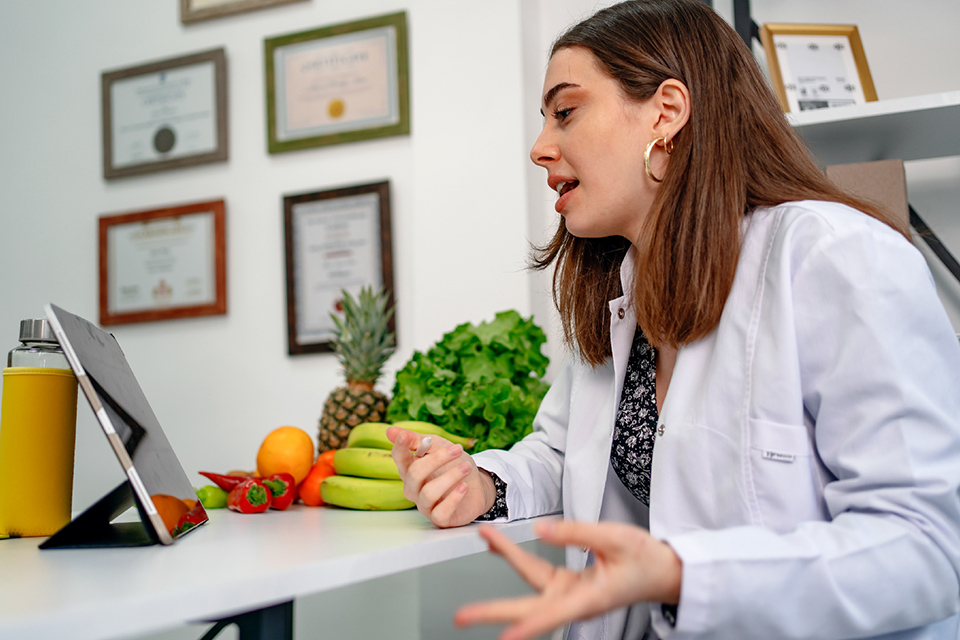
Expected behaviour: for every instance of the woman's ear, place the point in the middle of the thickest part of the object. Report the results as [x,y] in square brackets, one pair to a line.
[672,100]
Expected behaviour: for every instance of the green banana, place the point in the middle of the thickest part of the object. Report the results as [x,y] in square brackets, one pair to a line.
[365,463]
[369,435]
[374,434]
[369,494]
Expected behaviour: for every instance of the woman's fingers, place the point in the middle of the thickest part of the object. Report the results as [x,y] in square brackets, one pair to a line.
[528,616]
[604,537]
[495,611]
[438,487]
[443,512]
[550,613]
[404,442]
[536,571]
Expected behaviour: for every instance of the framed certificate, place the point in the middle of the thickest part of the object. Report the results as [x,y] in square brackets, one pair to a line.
[337,84]
[336,239]
[196,10]
[165,115]
[163,264]
[816,66]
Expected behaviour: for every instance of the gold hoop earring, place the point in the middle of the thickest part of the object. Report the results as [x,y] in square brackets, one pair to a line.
[667,146]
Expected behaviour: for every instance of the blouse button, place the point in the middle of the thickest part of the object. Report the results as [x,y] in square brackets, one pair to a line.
[621,313]
[661,429]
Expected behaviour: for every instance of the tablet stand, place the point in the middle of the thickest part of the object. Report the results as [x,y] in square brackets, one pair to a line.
[94,528]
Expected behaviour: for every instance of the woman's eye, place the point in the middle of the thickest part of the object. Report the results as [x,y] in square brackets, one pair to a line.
[561,114]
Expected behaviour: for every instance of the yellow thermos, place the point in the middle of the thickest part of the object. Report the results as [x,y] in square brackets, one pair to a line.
[38,425]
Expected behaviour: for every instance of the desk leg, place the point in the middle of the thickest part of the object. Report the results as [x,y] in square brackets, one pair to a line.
[269,623]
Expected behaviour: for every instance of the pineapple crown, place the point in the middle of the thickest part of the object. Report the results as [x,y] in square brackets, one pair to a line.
[362,338]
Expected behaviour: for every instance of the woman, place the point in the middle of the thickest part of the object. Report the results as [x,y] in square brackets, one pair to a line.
[759,438]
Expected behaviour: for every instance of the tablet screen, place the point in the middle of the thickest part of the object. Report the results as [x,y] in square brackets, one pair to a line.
[153,469]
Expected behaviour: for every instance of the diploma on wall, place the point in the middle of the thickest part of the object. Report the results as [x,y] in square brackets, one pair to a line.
[335,240]
[336,245]
[162,264]
[164,115]
[170,114]
[337,84]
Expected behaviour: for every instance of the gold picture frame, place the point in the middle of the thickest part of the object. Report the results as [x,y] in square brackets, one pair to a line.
[816,66]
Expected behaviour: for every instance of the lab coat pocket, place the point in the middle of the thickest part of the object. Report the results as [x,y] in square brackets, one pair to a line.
[785,483]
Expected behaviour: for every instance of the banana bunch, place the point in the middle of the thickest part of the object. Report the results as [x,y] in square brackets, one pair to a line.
[370,494]
[365,462]
[367,478]
[374,434]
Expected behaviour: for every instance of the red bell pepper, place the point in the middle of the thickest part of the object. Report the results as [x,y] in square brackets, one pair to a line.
[227,483]
[283,487]
[192,518]
[250,496]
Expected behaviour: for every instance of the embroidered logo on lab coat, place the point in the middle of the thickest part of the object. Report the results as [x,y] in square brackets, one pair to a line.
[779,457]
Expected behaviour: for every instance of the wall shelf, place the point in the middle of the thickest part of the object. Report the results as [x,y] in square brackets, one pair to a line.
[914,128]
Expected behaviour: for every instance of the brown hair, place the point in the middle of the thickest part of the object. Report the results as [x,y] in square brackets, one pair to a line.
[736,152]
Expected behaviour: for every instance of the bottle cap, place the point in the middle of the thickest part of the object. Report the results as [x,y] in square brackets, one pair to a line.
[36,330]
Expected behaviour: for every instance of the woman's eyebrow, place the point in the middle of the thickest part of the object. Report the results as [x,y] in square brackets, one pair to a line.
[554,90]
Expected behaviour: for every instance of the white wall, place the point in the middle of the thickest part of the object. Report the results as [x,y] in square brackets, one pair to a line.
[465,198]
[220,384]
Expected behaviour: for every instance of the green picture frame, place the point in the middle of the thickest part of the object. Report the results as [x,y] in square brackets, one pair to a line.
[338,84]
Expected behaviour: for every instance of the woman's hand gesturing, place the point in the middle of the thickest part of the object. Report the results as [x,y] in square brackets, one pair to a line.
[630,566]
[444,482]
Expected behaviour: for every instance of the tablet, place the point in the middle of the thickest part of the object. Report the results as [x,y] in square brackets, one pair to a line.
[156,482]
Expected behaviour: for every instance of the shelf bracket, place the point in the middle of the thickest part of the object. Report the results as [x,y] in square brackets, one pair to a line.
[938,248]
[743,22]
[270,623]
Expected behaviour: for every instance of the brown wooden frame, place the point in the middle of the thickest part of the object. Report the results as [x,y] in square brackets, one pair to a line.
[218,307]
[219,154]
[188,14]
[382,189]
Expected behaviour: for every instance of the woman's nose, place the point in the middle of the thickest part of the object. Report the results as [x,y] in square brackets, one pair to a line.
[544,150]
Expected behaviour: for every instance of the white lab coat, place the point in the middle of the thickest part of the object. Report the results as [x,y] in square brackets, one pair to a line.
[807,464]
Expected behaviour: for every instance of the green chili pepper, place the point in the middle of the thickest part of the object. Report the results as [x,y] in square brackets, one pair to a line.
[212,497]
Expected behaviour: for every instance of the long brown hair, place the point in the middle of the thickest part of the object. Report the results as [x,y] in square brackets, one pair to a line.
[736,152]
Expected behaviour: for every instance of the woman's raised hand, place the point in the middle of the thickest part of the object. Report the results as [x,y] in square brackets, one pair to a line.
[444,482]
[630,566]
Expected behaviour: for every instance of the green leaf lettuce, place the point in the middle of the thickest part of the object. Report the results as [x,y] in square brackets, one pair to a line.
[480,381]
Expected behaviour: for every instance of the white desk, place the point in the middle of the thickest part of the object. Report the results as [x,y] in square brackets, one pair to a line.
[234,563]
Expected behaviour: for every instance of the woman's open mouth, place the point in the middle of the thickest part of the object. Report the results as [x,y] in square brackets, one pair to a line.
[564,187]
[563,193]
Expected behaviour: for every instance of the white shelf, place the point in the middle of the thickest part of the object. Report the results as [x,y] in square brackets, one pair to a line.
[913,128]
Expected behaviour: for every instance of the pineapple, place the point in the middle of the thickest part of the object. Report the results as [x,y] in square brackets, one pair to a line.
[363,342]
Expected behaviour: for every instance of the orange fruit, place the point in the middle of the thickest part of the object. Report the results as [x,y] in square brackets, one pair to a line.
[170,508]
[286,450]
[309,489]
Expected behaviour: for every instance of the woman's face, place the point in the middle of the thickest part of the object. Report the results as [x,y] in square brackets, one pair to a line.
[592,146]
